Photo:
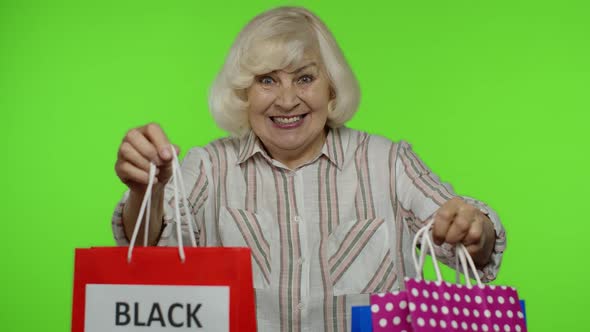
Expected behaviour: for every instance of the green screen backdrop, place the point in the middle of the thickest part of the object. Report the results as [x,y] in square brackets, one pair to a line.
[493,95]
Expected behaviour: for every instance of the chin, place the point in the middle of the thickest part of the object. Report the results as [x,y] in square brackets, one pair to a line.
[288,144]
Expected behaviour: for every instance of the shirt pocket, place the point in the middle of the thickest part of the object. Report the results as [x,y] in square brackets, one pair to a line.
[359,258]
[244,228]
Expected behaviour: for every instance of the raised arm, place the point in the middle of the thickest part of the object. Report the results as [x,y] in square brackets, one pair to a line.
[141,146]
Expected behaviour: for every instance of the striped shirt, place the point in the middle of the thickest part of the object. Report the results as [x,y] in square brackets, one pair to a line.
[323,236]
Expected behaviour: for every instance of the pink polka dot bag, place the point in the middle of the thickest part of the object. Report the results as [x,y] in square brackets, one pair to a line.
[428,306]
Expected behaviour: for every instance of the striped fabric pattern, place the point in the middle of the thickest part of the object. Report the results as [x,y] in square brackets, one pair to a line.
[322,236]
[247,223]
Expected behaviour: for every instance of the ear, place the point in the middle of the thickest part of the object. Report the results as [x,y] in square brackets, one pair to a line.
[242,94]
[331,106]
[332,93]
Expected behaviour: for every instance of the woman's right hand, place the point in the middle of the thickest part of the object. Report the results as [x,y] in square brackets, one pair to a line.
[141,146]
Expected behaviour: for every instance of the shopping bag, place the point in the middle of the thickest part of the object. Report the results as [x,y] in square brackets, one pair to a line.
[163,289]
[210,291]
[390,312]
[442,306]
[360,320]
[362,316]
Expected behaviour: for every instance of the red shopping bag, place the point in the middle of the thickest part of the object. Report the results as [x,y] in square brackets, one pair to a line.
[210,291]
[163,289]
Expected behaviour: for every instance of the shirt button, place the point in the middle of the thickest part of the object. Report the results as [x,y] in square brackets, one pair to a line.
[300,306]
[300,261]
[297,219]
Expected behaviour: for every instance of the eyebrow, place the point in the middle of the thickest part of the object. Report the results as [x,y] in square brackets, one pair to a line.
[303,68]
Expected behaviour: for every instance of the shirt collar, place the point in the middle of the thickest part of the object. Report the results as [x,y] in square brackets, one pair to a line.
[250,145]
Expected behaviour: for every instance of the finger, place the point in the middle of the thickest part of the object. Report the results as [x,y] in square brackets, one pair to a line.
[165,173]
[128,153]
[473,250]
[443,219]
[166,168]
[156,135]
[458,230]
[442,223]
[474,234]
[143,146]
[131,173]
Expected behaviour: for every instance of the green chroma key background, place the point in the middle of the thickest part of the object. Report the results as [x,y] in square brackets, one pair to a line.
[493,95]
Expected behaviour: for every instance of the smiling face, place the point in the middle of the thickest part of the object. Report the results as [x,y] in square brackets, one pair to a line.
[288,110]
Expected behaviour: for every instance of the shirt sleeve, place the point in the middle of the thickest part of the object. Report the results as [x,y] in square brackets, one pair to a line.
[196,182]
[420,193]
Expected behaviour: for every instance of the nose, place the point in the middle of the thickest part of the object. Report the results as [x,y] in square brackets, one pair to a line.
[287,98]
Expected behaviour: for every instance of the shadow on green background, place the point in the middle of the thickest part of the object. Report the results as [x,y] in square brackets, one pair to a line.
[494,96]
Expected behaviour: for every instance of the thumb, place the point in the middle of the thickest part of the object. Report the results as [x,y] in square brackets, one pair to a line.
[166,168]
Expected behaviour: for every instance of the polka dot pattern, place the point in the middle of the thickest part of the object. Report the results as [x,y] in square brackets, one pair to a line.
[455,308]
[433,306]
[391,312]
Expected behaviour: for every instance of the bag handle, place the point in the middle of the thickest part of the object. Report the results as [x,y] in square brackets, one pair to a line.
[146,204]
[423,235]
[462,256]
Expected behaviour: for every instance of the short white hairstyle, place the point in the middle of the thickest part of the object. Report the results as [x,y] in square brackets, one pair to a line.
[274,40]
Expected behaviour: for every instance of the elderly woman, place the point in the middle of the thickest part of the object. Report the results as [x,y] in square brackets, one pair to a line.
[328,212]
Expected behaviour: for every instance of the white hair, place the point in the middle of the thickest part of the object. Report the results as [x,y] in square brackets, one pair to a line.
[272,41]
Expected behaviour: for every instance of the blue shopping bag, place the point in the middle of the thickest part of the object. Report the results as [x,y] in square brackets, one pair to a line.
[361,319]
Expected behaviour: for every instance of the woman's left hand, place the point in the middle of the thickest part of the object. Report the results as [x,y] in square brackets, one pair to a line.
[456,221]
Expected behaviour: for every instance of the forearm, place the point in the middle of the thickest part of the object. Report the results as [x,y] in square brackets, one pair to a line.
[131,211]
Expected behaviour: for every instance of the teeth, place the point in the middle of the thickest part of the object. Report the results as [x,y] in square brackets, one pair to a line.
[281,120]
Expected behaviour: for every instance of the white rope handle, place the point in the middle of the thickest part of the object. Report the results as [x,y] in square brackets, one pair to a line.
[148,211]
[178,175]
[179,194]
[463,256]
[142,210]
[425,243]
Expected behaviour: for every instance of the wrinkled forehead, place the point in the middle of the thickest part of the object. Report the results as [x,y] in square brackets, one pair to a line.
[308,63]
[284,53]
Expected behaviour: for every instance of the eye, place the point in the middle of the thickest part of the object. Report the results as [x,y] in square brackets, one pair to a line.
[306,79]
[266,80]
